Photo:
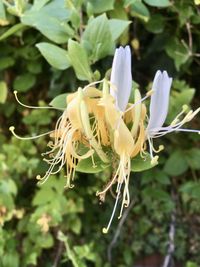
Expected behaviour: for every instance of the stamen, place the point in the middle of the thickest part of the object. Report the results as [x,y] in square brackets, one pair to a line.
[93,83]
[188,130]
[125,175]
[137,113]
[106,229]
[88,132]
[160,148]
[158,132]
[33,107]
[109,184]
[150,148]
[154,160]
[12,128]
[176,120]
[148,94]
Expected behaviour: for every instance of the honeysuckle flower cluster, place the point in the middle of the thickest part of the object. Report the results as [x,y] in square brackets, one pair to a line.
[100,123]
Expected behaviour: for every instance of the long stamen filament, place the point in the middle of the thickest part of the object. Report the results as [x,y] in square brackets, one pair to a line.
[33,107]
[12,129]
[176,119]
[148,94]
[188,130]
[106,229]
[93,83]
[174,126]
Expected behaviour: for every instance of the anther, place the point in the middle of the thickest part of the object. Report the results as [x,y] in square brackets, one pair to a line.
[11,128]
[161,147]
[154,160]
[104,230]
[150,93]
[185,107]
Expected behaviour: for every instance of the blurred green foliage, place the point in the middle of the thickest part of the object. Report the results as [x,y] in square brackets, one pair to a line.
[49,47]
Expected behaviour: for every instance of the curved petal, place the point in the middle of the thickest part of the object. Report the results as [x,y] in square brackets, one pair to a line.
[121,77]
[159,100]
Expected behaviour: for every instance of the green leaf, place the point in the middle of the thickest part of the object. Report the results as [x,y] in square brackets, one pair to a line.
[138,9]
[55,56]
[34,67]
[8,187]
[55,8]
[193,158]
[117,27]
[178,52]
[32,117]
[86,251]
[10,259]
[86,165]
[177,100]
[139,164]
[157,193]
[70,252]
[158,3]
[155,175]
[129,2]
[79,61]
[75,224]
[38,4]
[192,189]
[12,30]
[3,19]
[176,164]
[59,101]
[43,196]
[31,258]
[97,38]
[6,62]
[185,11]
[24,82]
[53,28]
[3,92]
[45,241]
[191,263]
[102,6]
[156,24]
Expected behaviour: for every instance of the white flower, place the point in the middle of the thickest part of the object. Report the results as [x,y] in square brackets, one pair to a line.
[159,102]
[121,78]
[159,109]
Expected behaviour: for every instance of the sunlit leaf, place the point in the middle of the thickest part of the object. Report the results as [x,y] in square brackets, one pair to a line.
[97,38]
[55,56]
[24,82]
[176,164]
[158,3]
[59,101]
[139,164]
[117,27]
[3,91]
[79,60]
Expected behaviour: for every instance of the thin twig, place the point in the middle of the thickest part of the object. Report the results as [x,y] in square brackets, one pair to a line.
[58,254]
[118,231]
[171,246]
[172,230]
[188,26]
[190,41]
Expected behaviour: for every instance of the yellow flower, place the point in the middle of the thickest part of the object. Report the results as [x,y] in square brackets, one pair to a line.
[43,222]
[103,124]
